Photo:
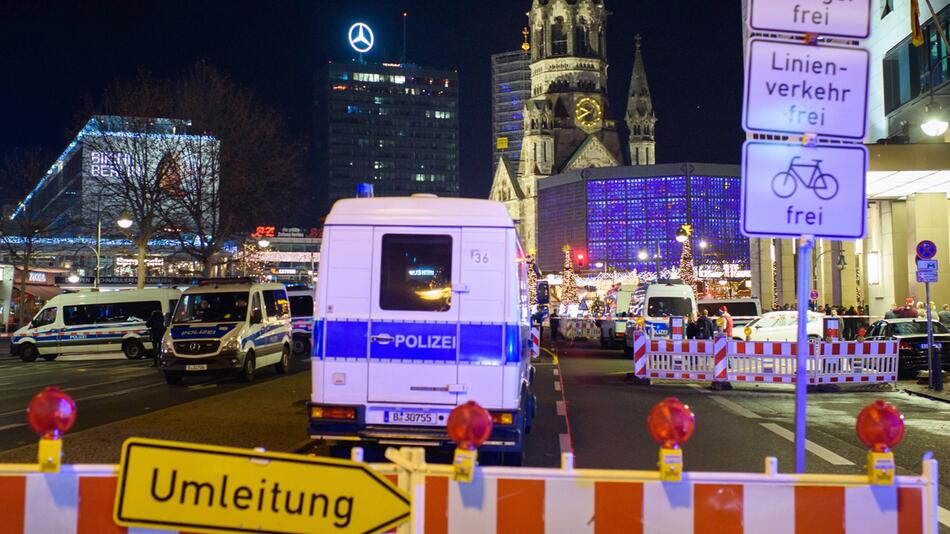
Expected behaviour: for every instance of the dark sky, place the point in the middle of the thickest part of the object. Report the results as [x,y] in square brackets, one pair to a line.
[52,54]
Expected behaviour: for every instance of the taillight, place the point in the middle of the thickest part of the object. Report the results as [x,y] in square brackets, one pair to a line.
[502,418]
[906,346]
[342,413]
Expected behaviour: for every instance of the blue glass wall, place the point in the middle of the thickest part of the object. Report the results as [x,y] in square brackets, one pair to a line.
[627,215]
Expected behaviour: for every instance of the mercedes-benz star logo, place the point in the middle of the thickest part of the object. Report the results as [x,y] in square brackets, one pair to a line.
[361,37]
[194,347]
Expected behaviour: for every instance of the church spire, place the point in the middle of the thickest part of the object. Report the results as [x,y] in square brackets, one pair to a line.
[641,118]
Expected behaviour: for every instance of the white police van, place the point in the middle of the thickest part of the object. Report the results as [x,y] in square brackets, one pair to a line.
[227,326]
[422,305]
[301,317]
[91,322]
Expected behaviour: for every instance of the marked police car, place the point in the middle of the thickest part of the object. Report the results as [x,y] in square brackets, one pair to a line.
[227,326]
[422,305]
[92,322]
[301,317]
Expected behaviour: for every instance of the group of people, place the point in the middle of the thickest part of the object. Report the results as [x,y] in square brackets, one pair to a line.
[910,310]
[704,327]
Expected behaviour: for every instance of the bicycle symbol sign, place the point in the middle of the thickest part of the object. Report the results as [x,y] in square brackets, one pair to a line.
[791,190]
[785,183]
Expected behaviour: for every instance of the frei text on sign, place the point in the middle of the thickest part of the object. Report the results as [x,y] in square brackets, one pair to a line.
[835,18]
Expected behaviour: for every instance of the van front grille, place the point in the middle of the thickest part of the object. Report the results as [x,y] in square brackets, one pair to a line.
[196,347]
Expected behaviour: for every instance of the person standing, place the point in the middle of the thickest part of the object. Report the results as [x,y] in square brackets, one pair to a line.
[704,327]
[691,327]
[727,323]
[850,323]
[945,315]
[891,312]
[555,323]
[156,327]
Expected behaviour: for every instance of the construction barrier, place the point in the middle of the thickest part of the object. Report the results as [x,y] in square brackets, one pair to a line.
[535,342]
[724,360]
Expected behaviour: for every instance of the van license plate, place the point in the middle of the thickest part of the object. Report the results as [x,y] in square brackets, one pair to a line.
[202,367]
[404,417]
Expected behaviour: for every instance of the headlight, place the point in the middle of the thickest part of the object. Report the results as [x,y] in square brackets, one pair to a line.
[166,345]
[232,344]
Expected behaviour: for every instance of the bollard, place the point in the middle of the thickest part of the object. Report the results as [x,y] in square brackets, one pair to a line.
[671,424]
[880,426]
[50,414]
[469,426]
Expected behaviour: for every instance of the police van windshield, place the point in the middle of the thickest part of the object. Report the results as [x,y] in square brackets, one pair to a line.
[301,305]
[667,306]
[212,307]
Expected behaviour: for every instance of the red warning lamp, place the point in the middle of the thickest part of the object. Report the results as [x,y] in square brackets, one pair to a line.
[51,413]
[880,426]
[469,425]
[671,423]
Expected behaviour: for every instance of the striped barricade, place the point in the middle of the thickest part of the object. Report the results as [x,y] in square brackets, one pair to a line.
[80,500]
[670,359]
[535,342]
[766,361]
[847,362]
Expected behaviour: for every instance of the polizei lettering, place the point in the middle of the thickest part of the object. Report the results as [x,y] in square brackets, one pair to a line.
[419,341]
[216,495]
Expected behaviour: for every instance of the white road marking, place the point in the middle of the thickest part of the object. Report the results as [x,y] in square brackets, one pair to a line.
[557,385]
[196,387]
[564,441]
[728,404]
[561,408]
[943,515]
[97,396]
[557,372]
[810,446]
[9,427]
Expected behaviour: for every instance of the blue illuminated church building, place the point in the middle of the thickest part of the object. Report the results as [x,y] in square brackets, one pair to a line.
[582,180]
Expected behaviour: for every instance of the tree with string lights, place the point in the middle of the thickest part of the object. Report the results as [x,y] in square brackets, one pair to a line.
[568,279]
[687,271]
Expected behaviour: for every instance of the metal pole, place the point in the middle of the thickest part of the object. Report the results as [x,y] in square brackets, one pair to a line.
[98,236]
[936,373]
[801,385]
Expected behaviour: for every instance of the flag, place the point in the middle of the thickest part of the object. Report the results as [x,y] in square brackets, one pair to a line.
[918,33]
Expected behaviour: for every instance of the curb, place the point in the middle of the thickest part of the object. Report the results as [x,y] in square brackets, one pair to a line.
[925,395]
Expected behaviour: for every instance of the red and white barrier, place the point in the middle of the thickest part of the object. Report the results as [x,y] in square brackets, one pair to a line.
[535,342]
[639,355]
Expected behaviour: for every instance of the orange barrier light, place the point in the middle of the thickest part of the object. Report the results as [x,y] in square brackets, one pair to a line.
[51,413]
[469,426]
[880,426]
[671,423]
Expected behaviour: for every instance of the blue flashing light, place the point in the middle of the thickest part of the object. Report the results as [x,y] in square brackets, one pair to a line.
[364,190]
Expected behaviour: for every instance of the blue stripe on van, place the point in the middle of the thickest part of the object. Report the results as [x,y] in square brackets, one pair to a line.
[416,341]
[481,343]
[513,343]
[318,337]
[346,339]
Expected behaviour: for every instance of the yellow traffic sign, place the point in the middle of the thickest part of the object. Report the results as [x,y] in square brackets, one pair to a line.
[168,484]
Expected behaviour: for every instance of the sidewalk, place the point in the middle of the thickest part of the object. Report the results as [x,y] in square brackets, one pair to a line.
[270,415]
[914,387]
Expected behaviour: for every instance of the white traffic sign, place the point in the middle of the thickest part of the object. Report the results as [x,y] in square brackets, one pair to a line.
[792,190]
[835,18]
[927,271]
[806,89]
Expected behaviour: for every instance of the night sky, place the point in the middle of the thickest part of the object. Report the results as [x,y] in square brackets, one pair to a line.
[55,54]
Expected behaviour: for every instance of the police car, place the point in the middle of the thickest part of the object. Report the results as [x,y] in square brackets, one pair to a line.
[422,305]
[301,317]
[93,322]
[227,326]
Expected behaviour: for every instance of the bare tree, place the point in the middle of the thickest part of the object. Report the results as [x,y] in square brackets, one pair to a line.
[23,225]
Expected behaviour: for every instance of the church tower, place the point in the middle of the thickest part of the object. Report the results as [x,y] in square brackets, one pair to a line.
[641,119]
[566,121]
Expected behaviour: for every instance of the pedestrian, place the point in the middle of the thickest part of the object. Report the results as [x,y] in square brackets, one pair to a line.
[850,323]
[827,309]
[727,323]
[891,312]
[691,327]
[156,327]
[921,310]
[908,311]
[555,323]
[704,327]
[945,315]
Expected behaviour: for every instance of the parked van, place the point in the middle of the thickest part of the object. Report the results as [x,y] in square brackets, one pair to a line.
[228,327]
[301,317]
[664,299]
[89,322]
[422,305]
[743,311]
[783,326]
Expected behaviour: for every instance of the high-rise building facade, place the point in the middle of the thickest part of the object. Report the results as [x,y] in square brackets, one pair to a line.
[511,88]
[393,125]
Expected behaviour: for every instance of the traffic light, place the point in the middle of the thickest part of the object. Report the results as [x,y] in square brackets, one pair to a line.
[580,259]
[543,293]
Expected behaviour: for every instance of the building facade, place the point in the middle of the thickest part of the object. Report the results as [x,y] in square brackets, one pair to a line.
[626,218]
[568,123]
[393,125]
[511,88]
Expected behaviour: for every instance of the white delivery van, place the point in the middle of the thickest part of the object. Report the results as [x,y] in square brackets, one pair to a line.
[664,299]
[227,326]
[88,322]
[743,311]
[422,305]
[783,326]
[301,317]
[613,331]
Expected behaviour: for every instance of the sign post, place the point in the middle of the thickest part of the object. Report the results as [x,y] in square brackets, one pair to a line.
[805,187]
[927,273]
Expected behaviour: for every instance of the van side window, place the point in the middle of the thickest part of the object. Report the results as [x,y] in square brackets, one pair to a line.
[45,317]
[76,315]
[255,304]
[416,273]
[118,312]
[275,300]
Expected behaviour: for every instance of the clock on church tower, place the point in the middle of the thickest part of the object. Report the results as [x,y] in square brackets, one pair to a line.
[588,113]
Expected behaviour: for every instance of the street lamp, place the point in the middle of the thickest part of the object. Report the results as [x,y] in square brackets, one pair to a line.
[934,125]
[642,256]
[73,278]
[125,220]
[263,243]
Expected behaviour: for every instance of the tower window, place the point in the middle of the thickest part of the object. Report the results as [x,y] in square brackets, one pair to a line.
[558,38]
[582,40]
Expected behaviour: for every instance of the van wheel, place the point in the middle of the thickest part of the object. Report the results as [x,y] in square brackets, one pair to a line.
[173,378]
[283,366]
[29,353]
[301,346]
[249,368]
[133,349]
[49,357]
